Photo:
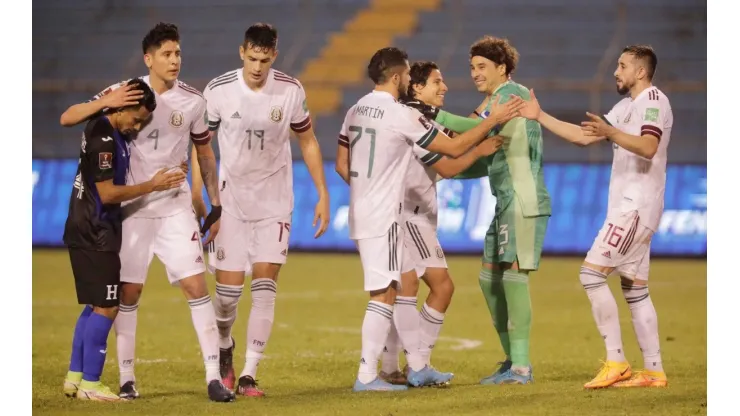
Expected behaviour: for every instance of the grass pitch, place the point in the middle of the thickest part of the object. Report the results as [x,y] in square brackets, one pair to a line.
[314,349]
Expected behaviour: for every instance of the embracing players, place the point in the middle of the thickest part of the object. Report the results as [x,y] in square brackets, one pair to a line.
[163,223]
[639,127]
[383,135]
[93,234]
[254,109]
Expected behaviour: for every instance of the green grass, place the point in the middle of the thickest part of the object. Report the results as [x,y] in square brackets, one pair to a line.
[314,349]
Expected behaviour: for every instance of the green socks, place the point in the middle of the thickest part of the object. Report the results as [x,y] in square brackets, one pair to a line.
[516,288]
[493,290]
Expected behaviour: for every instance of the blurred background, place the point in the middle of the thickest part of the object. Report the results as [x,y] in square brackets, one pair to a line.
[568,54]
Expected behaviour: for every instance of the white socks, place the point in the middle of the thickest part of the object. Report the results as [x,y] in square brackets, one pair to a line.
[225,303]
[259,327]
[430,324]
[645,322]
[204,322]
[375,328]
[125,326]
[604,309]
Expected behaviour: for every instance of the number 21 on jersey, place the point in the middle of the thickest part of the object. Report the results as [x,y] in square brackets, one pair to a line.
[358,136]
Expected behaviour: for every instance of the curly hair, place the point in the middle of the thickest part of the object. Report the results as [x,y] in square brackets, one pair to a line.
[420,72]
[496,50]
[159,34]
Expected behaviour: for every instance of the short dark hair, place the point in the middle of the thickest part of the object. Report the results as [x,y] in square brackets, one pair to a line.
[160,34]
[420,72]
[383,61]
[496,50]
[261,36]
[147,99]
[646,54]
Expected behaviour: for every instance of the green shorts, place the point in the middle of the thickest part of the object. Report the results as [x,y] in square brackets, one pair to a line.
[514,238]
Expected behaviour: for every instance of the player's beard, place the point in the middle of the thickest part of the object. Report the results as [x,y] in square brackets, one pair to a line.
[402,90]
[624,89]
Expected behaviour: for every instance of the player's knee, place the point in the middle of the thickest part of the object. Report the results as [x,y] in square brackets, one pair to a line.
[130,293]
[635,291]
[194,287]
[592,279]
[109,312]
[266,270]
[409,284]
[386,295]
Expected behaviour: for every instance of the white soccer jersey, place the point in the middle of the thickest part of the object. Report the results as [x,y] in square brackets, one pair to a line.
[163,143]
[380,134]
[253,137]
[638,183]
[421,186]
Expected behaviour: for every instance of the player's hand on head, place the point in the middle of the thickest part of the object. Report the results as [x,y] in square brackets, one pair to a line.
[489,146]
[531,109]
[166,179]
[123,97]
[595,126]
[321,216]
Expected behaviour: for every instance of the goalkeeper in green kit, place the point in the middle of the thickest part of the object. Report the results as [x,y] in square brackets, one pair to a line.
[513,243]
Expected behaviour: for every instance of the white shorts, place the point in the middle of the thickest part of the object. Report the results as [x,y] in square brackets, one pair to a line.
[381,258]
[240,243]
[175,240]
[421,249]
[624,244]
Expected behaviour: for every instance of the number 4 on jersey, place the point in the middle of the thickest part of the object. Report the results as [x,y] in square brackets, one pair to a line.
[154,135]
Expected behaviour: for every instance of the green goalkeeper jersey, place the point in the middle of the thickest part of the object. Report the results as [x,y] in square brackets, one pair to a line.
[515,171]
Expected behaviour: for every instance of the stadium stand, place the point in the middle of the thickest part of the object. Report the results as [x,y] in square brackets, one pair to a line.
[81,46]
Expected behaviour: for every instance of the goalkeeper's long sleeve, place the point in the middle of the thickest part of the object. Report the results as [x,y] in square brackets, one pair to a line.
[455,123]
[479,169]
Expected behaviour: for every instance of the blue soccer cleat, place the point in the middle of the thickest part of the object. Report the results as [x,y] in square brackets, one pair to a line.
[377,385]
[504,367]
[428,376]
[512,377]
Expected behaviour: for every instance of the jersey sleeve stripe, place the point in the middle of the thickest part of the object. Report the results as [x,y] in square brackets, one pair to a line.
[427,138]
[213,125]
[222,77]
[431,158]
[302,126]
[343,141]
[201,139]
[222,82]
[189,89]
[652,130]
[286,79]
[199,136]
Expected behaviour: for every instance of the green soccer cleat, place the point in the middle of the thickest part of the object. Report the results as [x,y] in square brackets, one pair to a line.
[72,383]
[97,392]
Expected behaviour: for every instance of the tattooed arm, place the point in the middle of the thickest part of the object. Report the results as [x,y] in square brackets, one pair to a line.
[209,174]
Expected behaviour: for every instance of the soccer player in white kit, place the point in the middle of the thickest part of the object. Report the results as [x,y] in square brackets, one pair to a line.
[423,255]
[254,109]
[164,223]
[383,136]
[639,128]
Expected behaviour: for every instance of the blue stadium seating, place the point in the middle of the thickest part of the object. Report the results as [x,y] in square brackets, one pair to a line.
[99,42]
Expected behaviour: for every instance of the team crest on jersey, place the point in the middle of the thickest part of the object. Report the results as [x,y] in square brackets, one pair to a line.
[176,118]
[276,114]
[220,253]
[105,160]
[440,253]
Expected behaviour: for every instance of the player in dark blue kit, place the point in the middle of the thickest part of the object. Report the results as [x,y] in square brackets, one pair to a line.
[93,235]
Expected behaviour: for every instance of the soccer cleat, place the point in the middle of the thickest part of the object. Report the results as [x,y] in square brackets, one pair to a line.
[96,391]
[512,376]
[503,368]
[644,378]
[128,391]
[610,373]
[226,365]
[428,376]
[248,387]
[396,377]
[377,385]
[217,392]
[72,383]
